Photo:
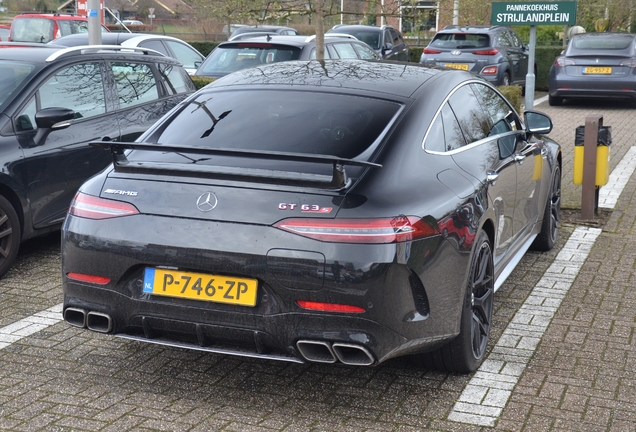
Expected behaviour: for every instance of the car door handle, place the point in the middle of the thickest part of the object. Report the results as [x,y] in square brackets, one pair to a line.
[544,153]
[492,177]
[519,158]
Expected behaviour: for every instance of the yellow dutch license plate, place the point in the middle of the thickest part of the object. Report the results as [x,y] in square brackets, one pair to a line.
[459,66]
[200,286]
[597,70]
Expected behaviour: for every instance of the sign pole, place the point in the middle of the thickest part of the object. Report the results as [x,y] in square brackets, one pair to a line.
[94,23]
[530,78]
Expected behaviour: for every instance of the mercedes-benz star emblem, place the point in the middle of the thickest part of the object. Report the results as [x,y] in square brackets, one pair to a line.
[207,202]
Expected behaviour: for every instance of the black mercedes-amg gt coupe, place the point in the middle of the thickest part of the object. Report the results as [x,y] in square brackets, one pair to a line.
[317,211]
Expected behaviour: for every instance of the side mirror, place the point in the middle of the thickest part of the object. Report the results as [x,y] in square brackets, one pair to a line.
[51,119]
[197,64]
[537,122]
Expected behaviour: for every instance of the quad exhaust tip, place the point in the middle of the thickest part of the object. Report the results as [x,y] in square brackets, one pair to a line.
[95,321]
[325,352]
[75,317]
[316,351]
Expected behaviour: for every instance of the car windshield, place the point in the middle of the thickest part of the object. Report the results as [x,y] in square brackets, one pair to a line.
[32,30]
[282,121]
[230,58]
[460,40]
[604,43]
[12,74]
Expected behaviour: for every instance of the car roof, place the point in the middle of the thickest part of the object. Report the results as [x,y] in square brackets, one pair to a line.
[112,38]
[48,53]
[343,27]
[607,35]
[52,16]
[292,40]
[470,29]
[397,79]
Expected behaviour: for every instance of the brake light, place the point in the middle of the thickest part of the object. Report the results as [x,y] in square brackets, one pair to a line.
[489,70]
[629,63]
[492,51]
[92,207]
[99,280]
[372,231]
[560,61]
[329,307]
[431,51]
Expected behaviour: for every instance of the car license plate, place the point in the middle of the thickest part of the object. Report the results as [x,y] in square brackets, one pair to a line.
[459,66]
[200,286]
[597,70]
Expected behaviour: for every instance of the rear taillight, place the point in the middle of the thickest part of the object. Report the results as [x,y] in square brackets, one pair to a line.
[488,52]
[99,280]
[372,231]
[629,63]
[431,51]
[92,207]
[489,70]
[329,307]
[564,62]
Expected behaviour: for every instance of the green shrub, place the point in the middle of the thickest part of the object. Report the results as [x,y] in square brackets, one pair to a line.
[200,81]
[204,47]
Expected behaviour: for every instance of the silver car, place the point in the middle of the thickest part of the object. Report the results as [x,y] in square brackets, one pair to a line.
[595,65]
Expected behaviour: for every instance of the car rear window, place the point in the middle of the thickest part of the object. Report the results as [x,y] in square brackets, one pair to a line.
[12,74]
[230,58]
[604,43]
[32,30]
[282,121]
[460,40]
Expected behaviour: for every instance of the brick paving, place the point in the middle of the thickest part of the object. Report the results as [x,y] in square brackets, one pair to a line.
[580,376]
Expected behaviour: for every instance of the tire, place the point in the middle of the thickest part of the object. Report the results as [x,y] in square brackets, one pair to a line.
[546,238]
[505,81]
[467,351]
[555,101]
[9,235]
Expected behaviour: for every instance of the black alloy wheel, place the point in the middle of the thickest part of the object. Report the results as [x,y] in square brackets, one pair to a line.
[467,351]
[482,288]
[9,235]
[551,217]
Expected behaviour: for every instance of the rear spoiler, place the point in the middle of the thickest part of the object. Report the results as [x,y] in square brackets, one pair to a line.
[338,178]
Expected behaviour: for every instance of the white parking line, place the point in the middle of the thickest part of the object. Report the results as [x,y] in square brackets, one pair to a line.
[608,194]
[488,391]
[29,325]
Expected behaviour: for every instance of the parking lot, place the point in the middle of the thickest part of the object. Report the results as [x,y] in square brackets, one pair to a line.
[579,375]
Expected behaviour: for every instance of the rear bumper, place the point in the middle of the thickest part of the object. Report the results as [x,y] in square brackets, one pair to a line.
[411,299]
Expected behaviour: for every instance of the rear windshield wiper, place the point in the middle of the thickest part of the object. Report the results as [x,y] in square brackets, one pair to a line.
[338,178]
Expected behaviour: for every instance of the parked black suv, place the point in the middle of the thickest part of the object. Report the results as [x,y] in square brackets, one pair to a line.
[53,102]
[496,53]
[386,41]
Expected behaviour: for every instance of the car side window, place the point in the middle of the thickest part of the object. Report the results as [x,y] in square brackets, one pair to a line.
[453,135]
[364,52]
[395,37]
[155,45]
[79,87]
[330,53]
[135,83]
[345,51]
[387,39]
[498,109]
[185,54]
[514,39]
[175,79]
[474,122]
